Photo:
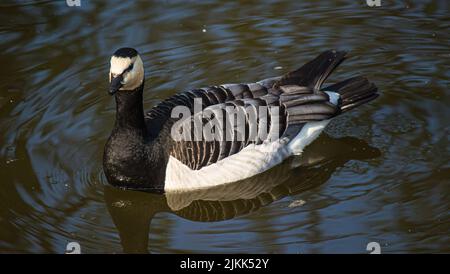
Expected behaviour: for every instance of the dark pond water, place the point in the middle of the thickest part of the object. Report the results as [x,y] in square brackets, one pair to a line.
[380,173]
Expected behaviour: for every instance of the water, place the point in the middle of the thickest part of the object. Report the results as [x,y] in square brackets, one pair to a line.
[380,173]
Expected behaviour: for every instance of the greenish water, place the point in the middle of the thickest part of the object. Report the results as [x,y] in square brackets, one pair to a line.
[381,173]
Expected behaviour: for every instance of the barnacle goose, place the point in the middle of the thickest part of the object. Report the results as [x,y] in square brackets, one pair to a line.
[141,152]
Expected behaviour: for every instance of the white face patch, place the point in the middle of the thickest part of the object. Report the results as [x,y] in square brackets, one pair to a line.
[132,78]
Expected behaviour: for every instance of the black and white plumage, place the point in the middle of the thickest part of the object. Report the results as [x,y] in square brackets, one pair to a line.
[141,154]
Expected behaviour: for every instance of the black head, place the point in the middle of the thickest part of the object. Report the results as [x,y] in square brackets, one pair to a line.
[126,52]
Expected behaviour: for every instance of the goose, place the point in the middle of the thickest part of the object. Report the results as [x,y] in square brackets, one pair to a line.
[142,152]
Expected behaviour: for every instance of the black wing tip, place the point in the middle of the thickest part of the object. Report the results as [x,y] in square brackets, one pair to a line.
[314,72]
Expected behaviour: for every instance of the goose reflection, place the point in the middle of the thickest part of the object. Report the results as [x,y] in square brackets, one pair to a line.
[132,211]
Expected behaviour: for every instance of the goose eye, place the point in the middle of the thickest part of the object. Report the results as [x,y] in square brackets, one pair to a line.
[130,67]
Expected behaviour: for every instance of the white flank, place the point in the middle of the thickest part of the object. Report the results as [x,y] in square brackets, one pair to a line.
[250,161]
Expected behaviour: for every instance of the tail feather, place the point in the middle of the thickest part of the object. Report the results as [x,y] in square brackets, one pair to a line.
[315,72]
[305,101]
[354,92]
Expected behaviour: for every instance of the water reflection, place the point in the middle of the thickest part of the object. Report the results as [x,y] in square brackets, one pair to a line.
[132,212]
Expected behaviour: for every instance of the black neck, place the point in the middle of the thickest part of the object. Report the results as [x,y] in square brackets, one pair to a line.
[130,110]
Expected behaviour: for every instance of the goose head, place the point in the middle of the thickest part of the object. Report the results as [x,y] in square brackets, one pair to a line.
[126,72]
